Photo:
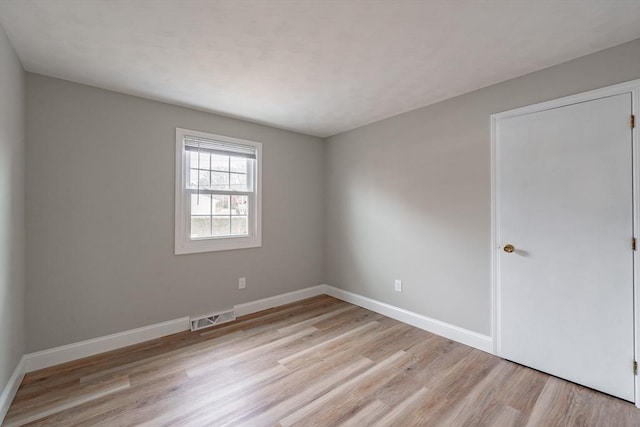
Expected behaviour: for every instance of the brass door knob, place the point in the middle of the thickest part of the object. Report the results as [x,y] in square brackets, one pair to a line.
[509,248]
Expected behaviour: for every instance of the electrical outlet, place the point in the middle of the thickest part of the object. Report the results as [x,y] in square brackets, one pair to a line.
[398,284]
[242,283]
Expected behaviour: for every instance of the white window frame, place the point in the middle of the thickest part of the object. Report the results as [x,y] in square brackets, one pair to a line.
[183,242]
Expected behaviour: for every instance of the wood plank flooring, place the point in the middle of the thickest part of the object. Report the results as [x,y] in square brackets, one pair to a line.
[317,362]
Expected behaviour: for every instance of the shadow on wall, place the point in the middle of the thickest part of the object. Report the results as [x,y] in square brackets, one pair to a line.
[408,211]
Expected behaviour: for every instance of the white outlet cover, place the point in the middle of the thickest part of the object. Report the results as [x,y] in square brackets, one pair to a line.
[242,283]
[398,284]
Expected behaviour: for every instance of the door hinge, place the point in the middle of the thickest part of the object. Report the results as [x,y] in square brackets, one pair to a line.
[633,244]
[633,121]
[635,368]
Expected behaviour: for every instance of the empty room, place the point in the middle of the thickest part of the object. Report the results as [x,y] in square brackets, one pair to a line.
[319,213]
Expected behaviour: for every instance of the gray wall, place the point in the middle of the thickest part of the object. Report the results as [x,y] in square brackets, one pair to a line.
[409,197]
[12,229]
[406,198]
[100,216]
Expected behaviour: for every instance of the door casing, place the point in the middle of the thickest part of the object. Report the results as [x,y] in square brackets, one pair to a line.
[632,87]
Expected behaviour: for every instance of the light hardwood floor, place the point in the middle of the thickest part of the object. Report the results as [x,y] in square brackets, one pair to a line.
[318,362]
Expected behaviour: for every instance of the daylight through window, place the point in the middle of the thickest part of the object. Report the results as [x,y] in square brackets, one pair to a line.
[218,192]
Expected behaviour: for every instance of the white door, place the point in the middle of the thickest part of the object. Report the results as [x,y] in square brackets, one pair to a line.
[564,201]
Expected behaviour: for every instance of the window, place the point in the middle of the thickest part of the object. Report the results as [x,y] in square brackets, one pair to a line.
[217,192]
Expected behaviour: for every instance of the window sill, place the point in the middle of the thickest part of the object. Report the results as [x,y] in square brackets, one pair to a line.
[215,245]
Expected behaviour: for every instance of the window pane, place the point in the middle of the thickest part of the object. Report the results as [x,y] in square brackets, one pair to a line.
[219,180]
[239,205]
[221,225]
[193,178]
[219,163]
[238,181]
[239,225]
[204,160]
[220,205]
[203,179]
[238,164]
[200,226]
[202,206]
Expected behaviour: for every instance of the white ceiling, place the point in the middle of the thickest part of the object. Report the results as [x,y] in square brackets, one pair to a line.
[316,67]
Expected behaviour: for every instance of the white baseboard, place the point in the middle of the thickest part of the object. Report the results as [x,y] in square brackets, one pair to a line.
[11,388]
[455,333]
[67,353]
[275,301]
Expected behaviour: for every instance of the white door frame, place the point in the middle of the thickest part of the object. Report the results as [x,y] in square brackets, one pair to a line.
[634,88]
